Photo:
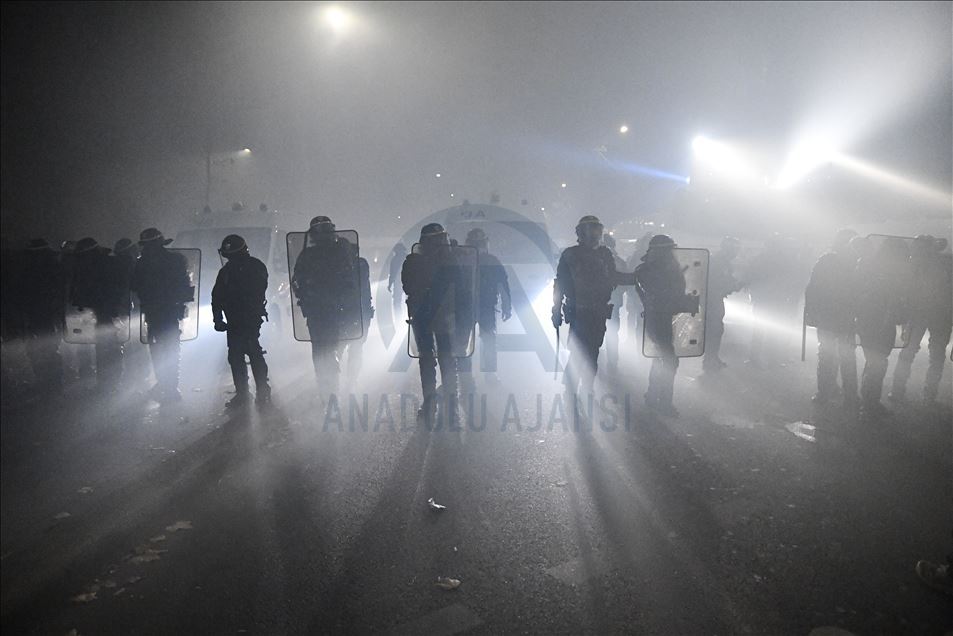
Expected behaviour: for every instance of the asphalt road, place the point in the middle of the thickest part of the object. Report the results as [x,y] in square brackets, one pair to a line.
[751,513]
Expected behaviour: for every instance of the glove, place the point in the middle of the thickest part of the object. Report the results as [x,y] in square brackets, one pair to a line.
[557,317]
[507,314]
[220,325]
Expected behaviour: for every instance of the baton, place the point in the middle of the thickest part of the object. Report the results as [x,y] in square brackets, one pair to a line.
[803,335]
[556,368]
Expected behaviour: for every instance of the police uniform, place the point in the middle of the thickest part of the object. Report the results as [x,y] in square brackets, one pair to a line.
[882,306]
[238,305]
[721,284]
[355,348]
[661,285]
[99,283]
[325,279]
[161,280]
[438,312]
[829,305]
[931,303]
[494,288]
[42,282]
[585,277]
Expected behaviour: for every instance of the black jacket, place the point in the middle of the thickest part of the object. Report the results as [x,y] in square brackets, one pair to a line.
[161,279]
[586,278]
[239,292]
[99,283]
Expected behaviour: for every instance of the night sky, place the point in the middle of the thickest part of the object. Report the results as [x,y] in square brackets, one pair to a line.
[109,108]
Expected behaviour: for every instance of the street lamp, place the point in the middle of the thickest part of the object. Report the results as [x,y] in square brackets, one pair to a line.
[337,18]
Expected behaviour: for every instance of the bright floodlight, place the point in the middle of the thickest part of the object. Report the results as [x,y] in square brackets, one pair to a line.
[563,185]
[623,129]
[807,155]
[337,18]
[246,151]
[437,175]
[702,145]
[722,159]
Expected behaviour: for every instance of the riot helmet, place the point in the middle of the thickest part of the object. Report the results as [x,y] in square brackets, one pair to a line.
[660,246]
[589,231]
[433,237]
[38,244]
[125,247]
[233,245]
[477,238]
[321,229]
[152,237]
[86,245]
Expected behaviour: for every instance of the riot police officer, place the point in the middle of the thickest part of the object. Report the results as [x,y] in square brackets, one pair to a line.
[325,279]
[633,302]
[42,283]
[661,284]
[614,326]
[884,283]
[238,306]
[494,288]
[355,348]
[721,284]
[98,283]
[397,257]
[585,277]
[931,309]
[77,356]
[438,315]
[161,281]
[829,305]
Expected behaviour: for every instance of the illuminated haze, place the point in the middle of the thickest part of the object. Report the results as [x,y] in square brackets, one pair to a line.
[353,116]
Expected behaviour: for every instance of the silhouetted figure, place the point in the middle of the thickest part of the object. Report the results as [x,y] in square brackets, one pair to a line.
[439,299]
[325,280]
[614,325]
[397,257]
[661,284]
[161,280]
[931,309]
[633,302]
[721,284]
[99,284]
[884,286]
[41,284]
[238,307]
[77,356]
[585,277]
[830,305]
[135,369]
[494,289]
[355,348]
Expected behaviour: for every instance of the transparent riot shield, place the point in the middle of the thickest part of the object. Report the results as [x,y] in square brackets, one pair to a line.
[688,326]
[325,285]
[81,325]
[902,336]
[189,322]
[453,308]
